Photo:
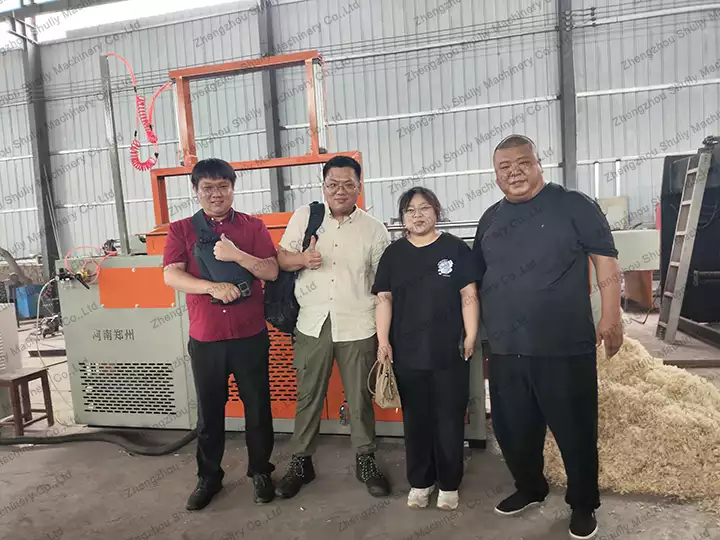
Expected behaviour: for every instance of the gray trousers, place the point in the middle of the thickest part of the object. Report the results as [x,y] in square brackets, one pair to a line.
[313,367]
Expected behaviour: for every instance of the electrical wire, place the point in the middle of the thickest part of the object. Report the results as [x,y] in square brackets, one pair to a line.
[416,38]
[93,86]
[580,15]
[105,436]
[638,7]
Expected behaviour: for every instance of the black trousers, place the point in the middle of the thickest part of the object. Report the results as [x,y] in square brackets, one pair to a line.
[433,407]
[212,364]
[527,395]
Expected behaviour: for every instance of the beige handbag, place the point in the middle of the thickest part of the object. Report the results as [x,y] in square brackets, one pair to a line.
[386,391]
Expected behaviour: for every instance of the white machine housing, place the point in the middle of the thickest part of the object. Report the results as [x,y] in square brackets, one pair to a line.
[10,359]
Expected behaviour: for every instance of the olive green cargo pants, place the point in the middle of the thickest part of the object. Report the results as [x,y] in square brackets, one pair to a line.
[313,367]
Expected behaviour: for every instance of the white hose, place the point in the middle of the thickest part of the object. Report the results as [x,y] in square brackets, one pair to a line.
[37,345]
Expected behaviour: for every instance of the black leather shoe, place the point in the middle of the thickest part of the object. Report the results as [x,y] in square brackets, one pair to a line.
[368,473]
[300,471]
[263,487]
[203,494]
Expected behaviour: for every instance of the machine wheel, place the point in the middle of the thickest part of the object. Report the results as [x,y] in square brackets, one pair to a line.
[477,444]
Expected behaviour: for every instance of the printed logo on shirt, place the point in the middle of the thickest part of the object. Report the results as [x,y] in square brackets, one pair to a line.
[445,267]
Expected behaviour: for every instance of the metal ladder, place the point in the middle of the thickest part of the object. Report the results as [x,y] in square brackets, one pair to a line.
[684,240]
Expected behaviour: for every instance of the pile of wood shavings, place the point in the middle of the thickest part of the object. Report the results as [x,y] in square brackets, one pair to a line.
[658,430]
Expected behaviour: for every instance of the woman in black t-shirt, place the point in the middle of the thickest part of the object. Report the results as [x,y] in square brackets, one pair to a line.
[426,296]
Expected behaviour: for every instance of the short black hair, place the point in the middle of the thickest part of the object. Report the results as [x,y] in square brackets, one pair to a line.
[338,162]
[212,169]
[515,140]
[424,192]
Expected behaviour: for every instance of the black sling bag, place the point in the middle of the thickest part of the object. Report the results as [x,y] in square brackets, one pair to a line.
[213,270]
[281,306]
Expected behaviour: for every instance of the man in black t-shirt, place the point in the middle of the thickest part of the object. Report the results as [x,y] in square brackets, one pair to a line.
[532,249]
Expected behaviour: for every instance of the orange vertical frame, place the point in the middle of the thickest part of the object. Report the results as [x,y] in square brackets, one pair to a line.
[187,124]
[314,136]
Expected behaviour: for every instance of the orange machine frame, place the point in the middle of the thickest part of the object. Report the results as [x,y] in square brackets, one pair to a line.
[282,375]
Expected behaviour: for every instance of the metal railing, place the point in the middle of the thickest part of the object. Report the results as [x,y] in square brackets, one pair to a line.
[396,228]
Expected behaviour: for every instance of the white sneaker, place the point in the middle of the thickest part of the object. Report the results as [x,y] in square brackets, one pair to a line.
[418,497]
[448,500]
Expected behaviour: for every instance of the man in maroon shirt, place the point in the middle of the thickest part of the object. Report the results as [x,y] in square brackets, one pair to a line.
[228,334]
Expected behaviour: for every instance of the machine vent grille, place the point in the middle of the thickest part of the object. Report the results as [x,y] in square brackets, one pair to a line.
[127,387]
[282,374]
[3,356]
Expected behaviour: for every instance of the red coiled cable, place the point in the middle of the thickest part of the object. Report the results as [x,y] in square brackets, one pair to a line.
[143,116]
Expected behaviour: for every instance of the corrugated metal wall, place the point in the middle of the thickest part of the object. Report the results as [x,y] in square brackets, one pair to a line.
[18,212]
[79,146]
[647,88]
[423,88]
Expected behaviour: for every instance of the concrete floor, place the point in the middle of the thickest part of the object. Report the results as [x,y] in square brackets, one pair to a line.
[98,491]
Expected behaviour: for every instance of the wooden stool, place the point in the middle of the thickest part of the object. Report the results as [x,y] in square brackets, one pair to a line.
[18,381]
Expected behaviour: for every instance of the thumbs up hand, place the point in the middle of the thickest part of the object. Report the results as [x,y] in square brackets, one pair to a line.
[225,250]
[312,258]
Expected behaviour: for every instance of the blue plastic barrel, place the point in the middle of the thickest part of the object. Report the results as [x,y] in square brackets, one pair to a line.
[26,301]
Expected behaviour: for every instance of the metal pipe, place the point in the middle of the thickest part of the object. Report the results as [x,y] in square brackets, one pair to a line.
[320,107]
[631,158]
[149,200]
[15,210]
[701,277]
[409,177]
[16,34]
[160,143]
[651,88]
[125,88]
[440,225]
[114,156]
[597,179]
[649,15]
[438,45]
[444,174]
[14,158]
[15,104]
[434,112]
[96,150]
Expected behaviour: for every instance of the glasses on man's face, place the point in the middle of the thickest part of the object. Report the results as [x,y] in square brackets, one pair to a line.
[208,191]
[334,186]
[425,210]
